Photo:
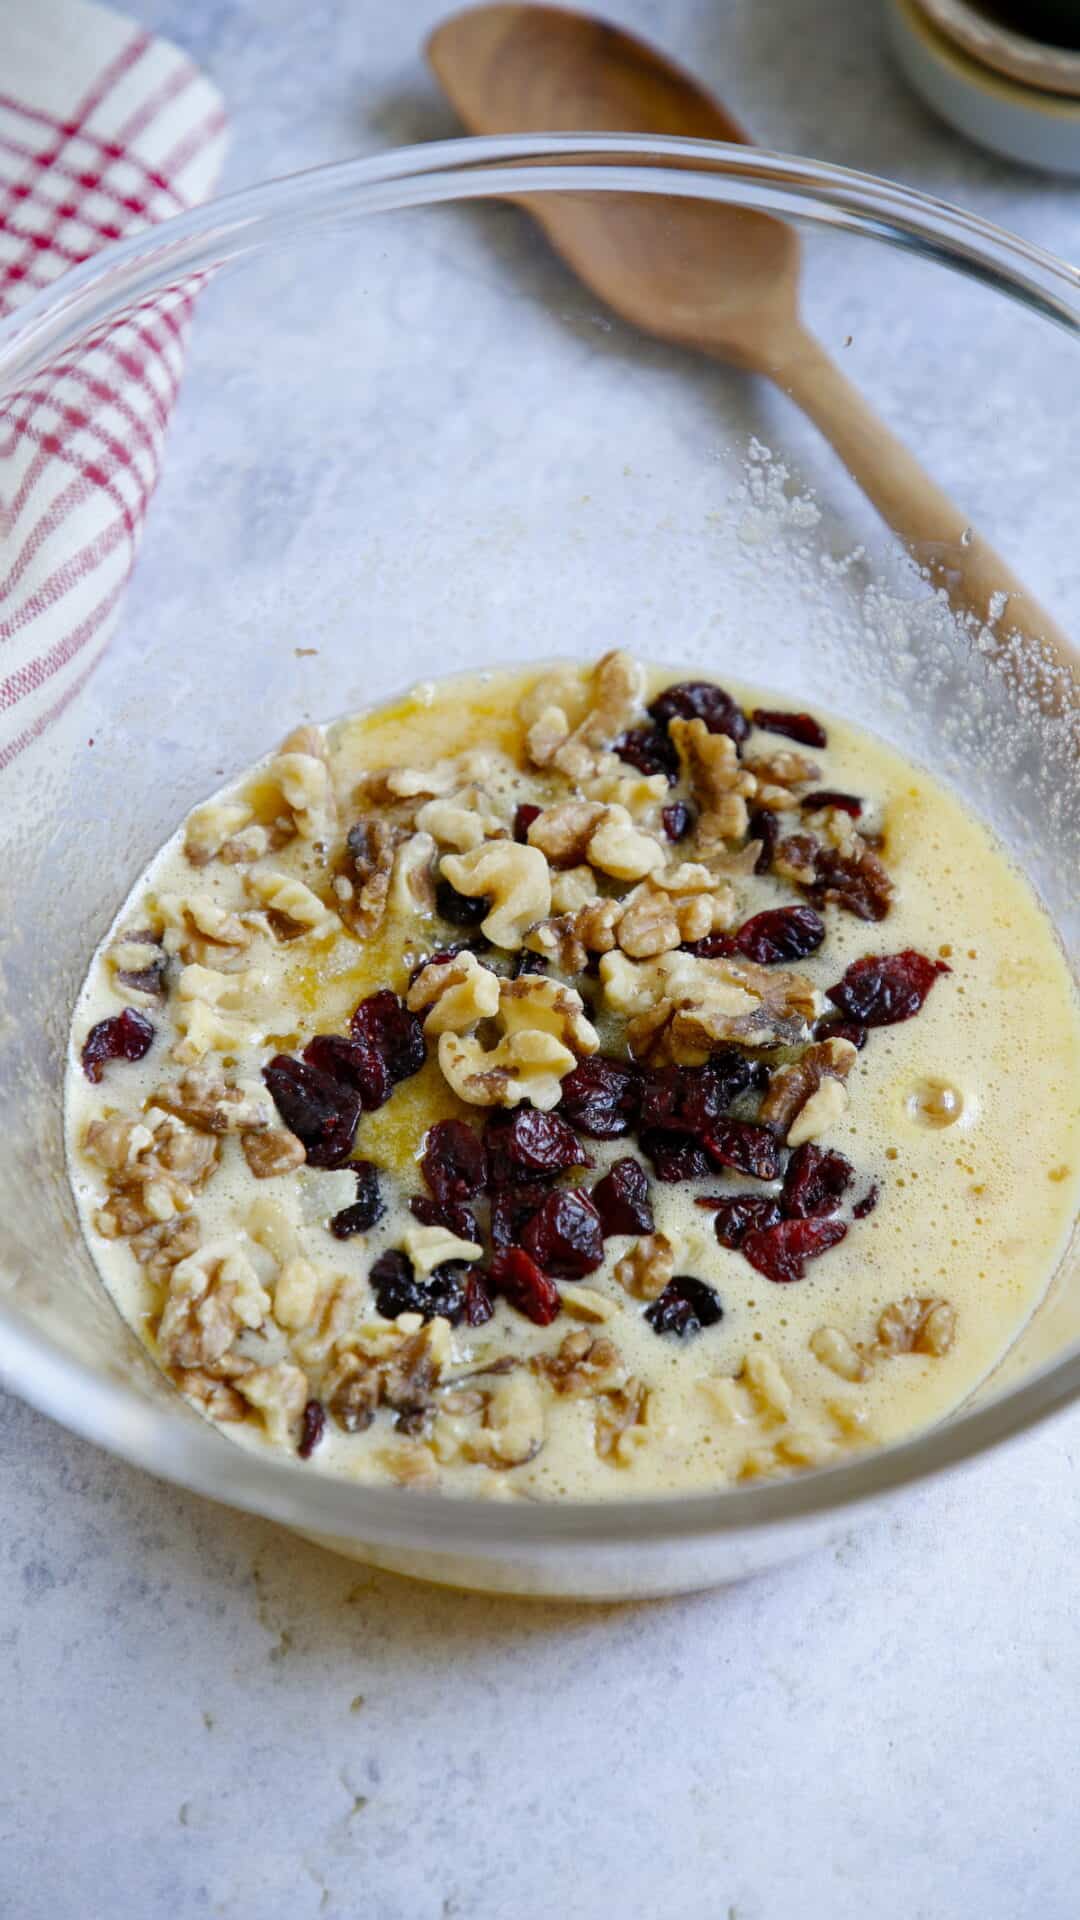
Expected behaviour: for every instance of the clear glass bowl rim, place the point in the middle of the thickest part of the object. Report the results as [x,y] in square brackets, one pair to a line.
[168,1443]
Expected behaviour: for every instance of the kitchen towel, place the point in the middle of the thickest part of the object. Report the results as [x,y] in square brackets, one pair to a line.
[104,129]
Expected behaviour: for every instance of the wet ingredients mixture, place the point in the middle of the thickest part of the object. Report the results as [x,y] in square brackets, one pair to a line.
[569,1083]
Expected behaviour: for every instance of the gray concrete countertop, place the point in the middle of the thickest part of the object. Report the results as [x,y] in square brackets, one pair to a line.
[202,1716]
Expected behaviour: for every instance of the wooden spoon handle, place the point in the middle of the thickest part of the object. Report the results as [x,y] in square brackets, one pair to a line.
[937,535]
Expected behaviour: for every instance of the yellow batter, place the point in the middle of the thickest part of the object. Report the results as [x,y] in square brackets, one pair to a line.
[965,1116]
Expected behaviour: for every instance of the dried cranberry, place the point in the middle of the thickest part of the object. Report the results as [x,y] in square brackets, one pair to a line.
[675,1156]
[701,700]
[478,1307]
[322,1112]
[523,819]
[650,750]
[455,1215]
[764,826]
[868,1202]
[538,1144]
[124,1036]
[685,1307]
[368,1206]
[881,989]
[712,946]
[738,1214]
[565,1236]
[517,1277]
[815,1182]
[457,909]
[526,962]
[621,1199]
[395,1286]
[858,882]
[512,1207]
[312,1429]
[781,1252]
[689,1099]
[781,933]
[794,726]
[354,1065]
[384,1025]
[829,797]
[744,1145]
[397,1290]
[678,820]
[602,1097]
[454,1162]
[834,1029]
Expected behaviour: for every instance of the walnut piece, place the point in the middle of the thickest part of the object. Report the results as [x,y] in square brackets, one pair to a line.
[401,1371]
[513,1423]
[621,1422]
[462,820]
[612,698]
[563,832]
[456,994]
[206,1100]
[583,1363]
[647,1267]
[777,775]
[720,785]
[362,882]
[279,1393]
[621,850]
[159,1248]
[569,940]
[307,792]
[837,1352]
[273,1152]
[789,1105]
[924,1324]
[429,1247]
[210,826]
[516,880]
[681,1007]
[544,1033]
[295,904]
[212,1296]
[573,888]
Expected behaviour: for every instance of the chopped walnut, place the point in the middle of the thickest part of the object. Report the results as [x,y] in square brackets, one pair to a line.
[362,883]
[569,940]
[789,1104]
[777,775]
[514,878]
[307,793]
[416,783]
[796,859]
[767,1384]
[279,1393]
[200,931]
[563,832]
[272,1153]
[212,1296]
[613,696]
[139,963]
[837,1352]
[455,995]
[412,878]
[216,1397]
[544,1034]
[720,784]
[206,1100]
[209,827]
[621,850]
[513,1423]
[681,1007]
[657,920]
[462,820]
[585,1303]
[296,908]
[926,1324]
[583,1363]
[161,1247]
[153,1166]
[430,1247]
[575,887]
[647,1267]
[401,1373]
[621,1421]
[642,794]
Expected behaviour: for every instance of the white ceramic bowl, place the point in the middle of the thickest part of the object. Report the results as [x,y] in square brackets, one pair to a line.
[995,109]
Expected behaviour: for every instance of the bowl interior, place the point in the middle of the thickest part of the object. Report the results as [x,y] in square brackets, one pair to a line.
[408,442]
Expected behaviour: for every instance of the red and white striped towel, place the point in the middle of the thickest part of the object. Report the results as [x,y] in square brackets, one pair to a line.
[103,130]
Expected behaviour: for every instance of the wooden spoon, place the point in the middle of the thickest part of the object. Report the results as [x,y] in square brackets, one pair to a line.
[712,277]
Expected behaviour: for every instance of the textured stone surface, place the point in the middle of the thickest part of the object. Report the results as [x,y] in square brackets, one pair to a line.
[201,1716]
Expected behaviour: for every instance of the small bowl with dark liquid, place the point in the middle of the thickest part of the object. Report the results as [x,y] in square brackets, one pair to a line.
[1007,75]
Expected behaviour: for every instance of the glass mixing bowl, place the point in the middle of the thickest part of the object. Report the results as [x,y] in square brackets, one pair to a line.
[408,439]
